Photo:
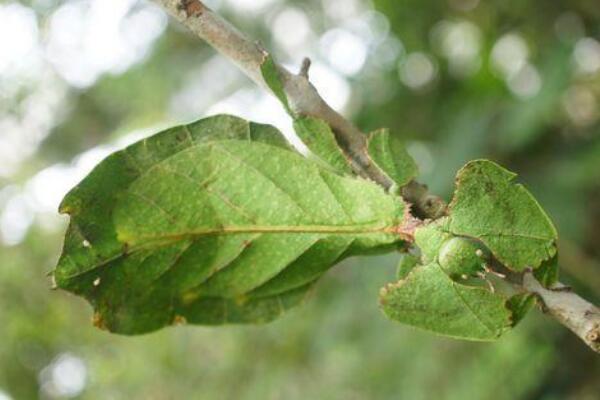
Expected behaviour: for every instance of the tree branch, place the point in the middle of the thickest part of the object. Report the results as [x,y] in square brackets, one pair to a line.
[302,95]
[577,314]
[572,311]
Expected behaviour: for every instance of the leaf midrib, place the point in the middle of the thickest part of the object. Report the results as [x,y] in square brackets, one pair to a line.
[232,230]
[168,239]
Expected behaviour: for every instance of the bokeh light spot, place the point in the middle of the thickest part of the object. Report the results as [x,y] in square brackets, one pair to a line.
[417,70]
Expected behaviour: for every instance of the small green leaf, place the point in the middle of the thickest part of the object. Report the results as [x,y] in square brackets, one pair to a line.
[406,264]
[214,222]
[314,133]
[272,78]
[488,210]
[319,139]
[390,155]
[519,305]
[547,273]
[430,300]
[487,205]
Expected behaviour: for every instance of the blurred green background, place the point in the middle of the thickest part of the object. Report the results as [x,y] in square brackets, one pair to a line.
[514,81]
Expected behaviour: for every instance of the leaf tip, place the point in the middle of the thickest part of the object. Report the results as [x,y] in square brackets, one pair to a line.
[67,207]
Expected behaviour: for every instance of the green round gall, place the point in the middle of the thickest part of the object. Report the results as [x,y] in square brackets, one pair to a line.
[460,256]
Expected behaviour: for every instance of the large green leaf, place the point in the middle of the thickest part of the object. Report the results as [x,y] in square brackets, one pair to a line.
[487,205]
[90,204]
[211,223]
[428,299]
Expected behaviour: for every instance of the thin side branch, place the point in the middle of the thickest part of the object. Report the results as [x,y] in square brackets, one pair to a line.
[572,311]
[305,67]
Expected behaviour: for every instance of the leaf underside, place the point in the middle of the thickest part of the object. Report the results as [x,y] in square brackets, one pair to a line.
[213,222]
[428,299]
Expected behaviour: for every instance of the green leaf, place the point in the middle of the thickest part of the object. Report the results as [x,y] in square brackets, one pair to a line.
[430,237]
[314,133]
[428,299]
[309,266]
[487,205]
[390,155]
[205,225]
[520,304]
[406,264]
[547,273]
[255,309]
[91,203]
[272,78]
[319,139]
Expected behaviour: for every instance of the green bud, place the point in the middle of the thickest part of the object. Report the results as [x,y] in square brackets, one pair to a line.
[460,256]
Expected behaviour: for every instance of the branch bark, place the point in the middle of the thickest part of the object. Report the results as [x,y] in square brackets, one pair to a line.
[577,314]
[569,309]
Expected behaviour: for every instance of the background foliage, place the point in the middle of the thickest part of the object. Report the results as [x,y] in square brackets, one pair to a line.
[517,82]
